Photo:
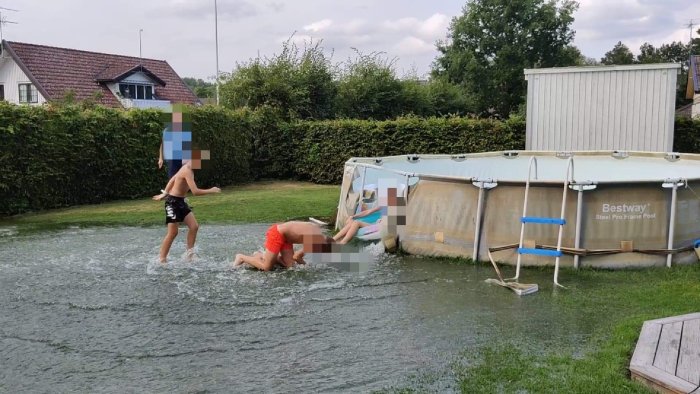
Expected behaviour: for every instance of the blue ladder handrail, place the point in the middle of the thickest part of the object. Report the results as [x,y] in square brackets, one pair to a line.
[541,252]
[540,220]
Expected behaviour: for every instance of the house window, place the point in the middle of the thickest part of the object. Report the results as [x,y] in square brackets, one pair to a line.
[28,93]
[136,91]
[2,92]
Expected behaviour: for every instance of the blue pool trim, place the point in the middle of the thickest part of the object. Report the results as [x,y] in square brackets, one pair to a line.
[541,252]
[533,219]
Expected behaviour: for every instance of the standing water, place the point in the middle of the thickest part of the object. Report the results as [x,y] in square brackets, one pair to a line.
[91,310]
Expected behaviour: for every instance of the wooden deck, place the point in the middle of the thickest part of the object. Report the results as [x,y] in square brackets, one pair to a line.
[667,356]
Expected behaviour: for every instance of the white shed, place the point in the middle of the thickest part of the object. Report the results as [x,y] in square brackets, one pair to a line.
[601,107]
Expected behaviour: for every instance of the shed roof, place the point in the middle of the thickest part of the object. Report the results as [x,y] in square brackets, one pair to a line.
[582,69]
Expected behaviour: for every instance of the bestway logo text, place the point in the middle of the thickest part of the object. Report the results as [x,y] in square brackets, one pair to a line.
[635,208]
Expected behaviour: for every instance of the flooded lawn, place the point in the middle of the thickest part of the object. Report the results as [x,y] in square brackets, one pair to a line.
[91,310]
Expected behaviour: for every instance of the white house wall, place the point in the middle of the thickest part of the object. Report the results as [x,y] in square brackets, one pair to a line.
[137,77]
[11,76]
[695,110]
[601,108]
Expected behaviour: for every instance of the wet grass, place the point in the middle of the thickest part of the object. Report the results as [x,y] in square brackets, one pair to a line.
[616,303]
[253,203]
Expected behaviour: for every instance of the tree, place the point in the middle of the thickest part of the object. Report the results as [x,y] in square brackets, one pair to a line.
[648,54]
[447,98]
[200,87]
[369,89]
[415,97]
[678,52]
[695,44]
[620,54]
[491,43]
[298,82]
[675,52]
[573,56]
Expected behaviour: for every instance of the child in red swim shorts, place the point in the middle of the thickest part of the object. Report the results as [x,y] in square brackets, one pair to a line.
[279,245]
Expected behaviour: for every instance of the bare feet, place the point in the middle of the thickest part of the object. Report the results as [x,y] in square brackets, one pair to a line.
[189,255]
[238,260]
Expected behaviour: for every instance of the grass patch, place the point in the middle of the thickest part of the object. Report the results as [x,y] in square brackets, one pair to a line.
[617,302]
[253,203]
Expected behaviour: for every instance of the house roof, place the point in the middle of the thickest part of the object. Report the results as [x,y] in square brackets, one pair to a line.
[55,71]
[695,72]
[116,72]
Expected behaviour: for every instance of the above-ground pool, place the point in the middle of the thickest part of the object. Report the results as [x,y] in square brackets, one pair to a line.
[623,209]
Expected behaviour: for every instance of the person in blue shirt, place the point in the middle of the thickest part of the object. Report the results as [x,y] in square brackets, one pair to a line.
[176,143]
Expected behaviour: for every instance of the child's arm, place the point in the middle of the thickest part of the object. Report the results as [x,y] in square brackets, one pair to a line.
[286,264]
[166,191]
[299,257]
[366,212]
[160,156]
[197,191]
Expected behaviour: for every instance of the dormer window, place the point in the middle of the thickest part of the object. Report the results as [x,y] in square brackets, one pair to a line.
[136,91]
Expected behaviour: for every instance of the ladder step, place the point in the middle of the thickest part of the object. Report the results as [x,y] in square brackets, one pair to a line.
[533,219]
[541,252]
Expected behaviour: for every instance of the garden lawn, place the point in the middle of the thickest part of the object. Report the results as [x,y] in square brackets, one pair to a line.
[616,303]
[261,202]
[619,301]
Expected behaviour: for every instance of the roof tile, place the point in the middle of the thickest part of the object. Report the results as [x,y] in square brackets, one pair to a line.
[59,70]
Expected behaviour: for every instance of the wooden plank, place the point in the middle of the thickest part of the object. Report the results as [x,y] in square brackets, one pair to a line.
[688,367]
[669,343]
[652,384]
[662,381]
[673,319]
[646,345]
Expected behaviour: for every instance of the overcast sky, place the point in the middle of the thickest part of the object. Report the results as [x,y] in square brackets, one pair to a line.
[182,31]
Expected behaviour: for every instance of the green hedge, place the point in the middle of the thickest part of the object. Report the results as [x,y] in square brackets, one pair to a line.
[275,145]
[55,156]
[227,135]
[686,136]
[68,155]
[326,145]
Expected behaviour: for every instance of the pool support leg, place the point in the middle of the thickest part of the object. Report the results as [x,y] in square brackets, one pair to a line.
[569,173]
[672,223]
[577,240]
[477,230]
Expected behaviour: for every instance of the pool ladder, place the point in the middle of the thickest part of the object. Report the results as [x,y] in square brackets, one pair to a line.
[561,221]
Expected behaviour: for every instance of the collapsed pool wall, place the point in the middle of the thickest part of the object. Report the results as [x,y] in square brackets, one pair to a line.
[442,214]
